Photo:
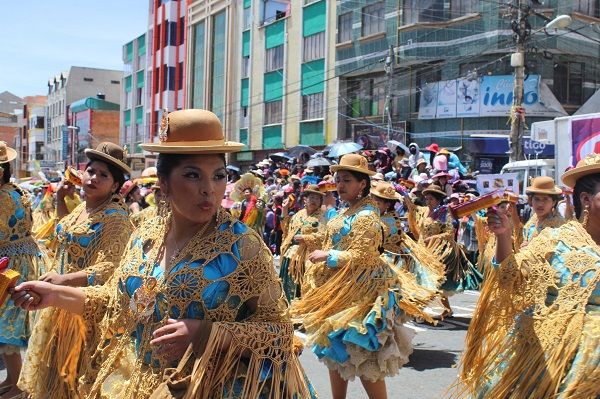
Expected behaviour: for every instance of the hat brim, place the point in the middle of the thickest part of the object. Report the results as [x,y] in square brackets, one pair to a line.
[396,196]
[431,191]
[227,147]
[10,155]
[314,192]
[533,190]
[570,177]
[94,154]
[367,172]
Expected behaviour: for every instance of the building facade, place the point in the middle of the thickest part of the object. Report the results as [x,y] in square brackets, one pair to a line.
[266,68]
[33,136]
[450,80]
[65,88]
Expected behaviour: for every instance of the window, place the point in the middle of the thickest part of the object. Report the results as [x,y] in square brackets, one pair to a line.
[568,83]
[247,19]
[460,8]
[115,82]
[587,7]
[245,67]
[416,11]
[367,97]
[244,117]
[88,79]
[314,47]
[345,27]
[273,112]
[198,68]
[274,59]
[373,19]
[312,106]
[218,65]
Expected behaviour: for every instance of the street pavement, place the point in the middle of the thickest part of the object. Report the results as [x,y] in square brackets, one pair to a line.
[432,366]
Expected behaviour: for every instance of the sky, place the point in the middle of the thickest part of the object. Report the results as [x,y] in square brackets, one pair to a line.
[41,38]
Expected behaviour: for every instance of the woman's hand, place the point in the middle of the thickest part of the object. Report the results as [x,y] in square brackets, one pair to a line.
[426,240]
[25,295]
[286,203]
[62,190]
[299,238]
[174,338]
[497,223]
[54,278]
[318,256]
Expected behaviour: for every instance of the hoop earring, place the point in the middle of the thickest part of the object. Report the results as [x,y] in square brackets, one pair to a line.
[586,216]
[164,208]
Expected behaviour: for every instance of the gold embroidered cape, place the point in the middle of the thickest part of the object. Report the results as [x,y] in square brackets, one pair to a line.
[94,247]
[553,220]
[536,331]
[312,228]
[228,278]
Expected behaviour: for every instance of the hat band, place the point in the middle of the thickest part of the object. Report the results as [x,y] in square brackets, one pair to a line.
[4,157]
[204,143]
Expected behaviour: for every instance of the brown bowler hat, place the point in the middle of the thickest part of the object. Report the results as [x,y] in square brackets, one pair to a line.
[191,131]
[587,166]
[355,163]
[313,189]
[543,185]
[111,153]
[7,154]
[385,190]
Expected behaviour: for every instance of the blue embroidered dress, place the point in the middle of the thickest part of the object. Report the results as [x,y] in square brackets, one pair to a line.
[227,277]
[24,256]
[93,246]
[353,304]
[536,330]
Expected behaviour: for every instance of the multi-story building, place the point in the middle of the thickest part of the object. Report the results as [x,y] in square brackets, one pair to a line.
[69,86]
[136,111]
[10,108]
[449,79]
[266,68]
[92,120]
[32,136]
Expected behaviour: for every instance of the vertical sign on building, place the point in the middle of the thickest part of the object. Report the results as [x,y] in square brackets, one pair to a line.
[65,145]
[48,130]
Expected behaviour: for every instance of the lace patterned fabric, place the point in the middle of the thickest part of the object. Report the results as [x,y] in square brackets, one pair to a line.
[354,302]
[312,227]
[536,330]
[24,256]
[460,272]
[93,246]
[530,231]
[226,277]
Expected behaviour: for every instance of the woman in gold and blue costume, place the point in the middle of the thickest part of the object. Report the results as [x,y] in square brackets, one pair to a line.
[543,198]
[354,302]
[432,227]
[195,274]
[89,244]
[24,256]
[400,248]
[536,330]
[302,234]
[486,240]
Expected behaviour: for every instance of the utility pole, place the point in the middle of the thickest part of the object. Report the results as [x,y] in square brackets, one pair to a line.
[522,29]
[389,67]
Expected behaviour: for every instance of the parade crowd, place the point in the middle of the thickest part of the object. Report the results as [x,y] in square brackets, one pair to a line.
[166,286]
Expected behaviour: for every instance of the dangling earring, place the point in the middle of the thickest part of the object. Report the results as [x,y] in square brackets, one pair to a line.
[164,207]
[586,216]
[359,196]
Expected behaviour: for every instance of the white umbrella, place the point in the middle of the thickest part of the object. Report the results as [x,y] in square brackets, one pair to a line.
[392,144]
[318,162]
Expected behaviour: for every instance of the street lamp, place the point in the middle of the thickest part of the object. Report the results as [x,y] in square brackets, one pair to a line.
[517,60]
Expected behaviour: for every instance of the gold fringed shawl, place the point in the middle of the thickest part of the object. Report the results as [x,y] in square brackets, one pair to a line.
[312,228]
[553,220]
[486,241]
[250,321]
[531,336]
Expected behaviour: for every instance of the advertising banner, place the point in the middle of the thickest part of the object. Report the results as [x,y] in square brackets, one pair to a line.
[487,96]
[585,138]
[446,107]
[468,98]
[489,183]
[428,103]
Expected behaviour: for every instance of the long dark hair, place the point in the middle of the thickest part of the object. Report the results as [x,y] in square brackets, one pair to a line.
[360,177]
[586,184]
[7,172]
[116,173]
